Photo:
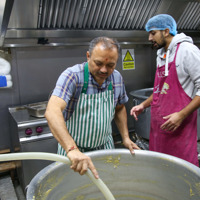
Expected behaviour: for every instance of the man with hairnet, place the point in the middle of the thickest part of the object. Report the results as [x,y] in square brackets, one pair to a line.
[176,93]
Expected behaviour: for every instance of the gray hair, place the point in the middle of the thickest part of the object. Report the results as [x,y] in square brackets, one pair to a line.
[108,43]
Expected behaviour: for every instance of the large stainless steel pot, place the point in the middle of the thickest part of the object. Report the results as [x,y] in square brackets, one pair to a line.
[144,176]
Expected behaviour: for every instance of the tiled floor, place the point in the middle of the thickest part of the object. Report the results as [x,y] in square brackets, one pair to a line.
[19,191]
[7,190]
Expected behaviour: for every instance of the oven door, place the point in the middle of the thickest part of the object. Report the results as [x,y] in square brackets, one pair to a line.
[29,168]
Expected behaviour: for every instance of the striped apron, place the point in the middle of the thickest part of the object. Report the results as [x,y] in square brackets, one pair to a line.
[90,124]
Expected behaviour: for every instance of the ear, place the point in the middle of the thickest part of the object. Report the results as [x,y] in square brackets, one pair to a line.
[88,55]
[166,31]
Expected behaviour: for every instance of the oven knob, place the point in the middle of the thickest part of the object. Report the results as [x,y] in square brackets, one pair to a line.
[39,129]
[28,131]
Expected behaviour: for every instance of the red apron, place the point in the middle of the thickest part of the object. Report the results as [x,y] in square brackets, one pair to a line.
[169,97]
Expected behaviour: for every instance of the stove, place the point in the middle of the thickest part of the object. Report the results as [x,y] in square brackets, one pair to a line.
[30,134]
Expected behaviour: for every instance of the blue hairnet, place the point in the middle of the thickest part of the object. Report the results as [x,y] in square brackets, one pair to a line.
[161,22]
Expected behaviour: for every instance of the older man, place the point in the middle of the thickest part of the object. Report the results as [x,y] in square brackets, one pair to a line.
[91,94]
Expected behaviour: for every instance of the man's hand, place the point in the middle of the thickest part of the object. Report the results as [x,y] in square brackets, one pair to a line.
[81,162]
[129,144]
[136,110]
[174,120]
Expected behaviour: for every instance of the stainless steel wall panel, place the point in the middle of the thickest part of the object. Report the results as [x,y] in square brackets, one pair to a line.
[107,16]
[103,9]
[137,14]
[42,17]
[97,13]
[127,18]
[48,17]
[5,11]
[77,13]
[110,21]
[61,13]
[2,8]
[132,17]
[187,15]
[72,13]
[82,15]
[141,13]
[66,14]
[127,12]
[89,3]
[190,18]
[24,14]
[55,17]
[195,23]
[195,16]
[117,17]
[92,14]
[51,17]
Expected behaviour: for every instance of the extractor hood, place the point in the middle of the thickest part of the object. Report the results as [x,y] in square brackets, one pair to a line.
[62,22]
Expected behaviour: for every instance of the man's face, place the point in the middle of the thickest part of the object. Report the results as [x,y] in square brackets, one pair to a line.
[157,38]
[102,62]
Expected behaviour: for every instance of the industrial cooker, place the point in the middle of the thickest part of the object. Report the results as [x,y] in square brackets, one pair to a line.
[30,133]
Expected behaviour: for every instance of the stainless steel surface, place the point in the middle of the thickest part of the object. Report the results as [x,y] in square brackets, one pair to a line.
[145,175]
[37,109]
[59,19]
[142,126]
[23,121]
[5,12]
[190,17]
[30,168]
[30,134]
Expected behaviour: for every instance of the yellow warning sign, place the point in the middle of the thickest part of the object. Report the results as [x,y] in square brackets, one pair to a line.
[128,65]
[128,60]
[128,57]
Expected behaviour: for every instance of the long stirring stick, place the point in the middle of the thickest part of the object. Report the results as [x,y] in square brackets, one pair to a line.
[55,157]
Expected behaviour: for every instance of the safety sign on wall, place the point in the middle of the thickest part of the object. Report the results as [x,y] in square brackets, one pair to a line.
[128,59]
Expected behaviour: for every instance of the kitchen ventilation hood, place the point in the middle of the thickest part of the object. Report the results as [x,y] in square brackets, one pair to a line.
[63,22]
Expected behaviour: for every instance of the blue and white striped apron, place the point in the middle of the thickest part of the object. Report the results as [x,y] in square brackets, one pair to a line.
[90,124]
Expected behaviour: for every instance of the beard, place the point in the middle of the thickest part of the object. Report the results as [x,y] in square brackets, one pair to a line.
[161,44]
[157,46]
